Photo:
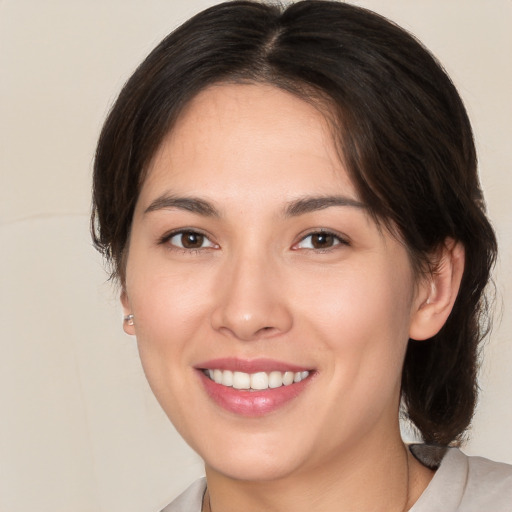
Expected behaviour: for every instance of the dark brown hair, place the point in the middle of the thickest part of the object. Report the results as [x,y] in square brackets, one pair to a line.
[404,136]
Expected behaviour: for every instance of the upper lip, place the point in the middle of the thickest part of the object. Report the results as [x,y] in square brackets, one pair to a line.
[250,366]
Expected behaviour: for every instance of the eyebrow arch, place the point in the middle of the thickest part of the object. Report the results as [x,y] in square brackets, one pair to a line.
[191,204]
[310,204]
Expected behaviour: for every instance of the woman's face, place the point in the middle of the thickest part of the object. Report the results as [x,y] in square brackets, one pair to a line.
[251,252]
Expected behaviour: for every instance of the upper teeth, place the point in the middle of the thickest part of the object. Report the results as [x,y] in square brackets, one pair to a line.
[256,381]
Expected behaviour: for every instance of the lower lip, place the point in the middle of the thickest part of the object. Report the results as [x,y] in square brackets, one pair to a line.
[252,403]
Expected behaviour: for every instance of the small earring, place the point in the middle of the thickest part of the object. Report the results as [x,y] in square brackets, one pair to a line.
[129,319]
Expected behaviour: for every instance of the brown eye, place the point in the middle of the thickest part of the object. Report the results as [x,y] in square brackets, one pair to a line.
[190,240]
[320,240]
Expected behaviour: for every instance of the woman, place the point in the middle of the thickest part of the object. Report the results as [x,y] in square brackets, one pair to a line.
[289,200]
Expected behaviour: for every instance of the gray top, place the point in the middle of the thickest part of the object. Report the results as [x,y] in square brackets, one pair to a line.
[460,484]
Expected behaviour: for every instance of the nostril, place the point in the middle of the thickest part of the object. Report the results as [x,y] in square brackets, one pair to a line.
[268,329]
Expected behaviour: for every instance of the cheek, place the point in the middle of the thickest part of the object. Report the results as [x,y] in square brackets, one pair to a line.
[169,308]
[359,300]
[169,316]
[363,318]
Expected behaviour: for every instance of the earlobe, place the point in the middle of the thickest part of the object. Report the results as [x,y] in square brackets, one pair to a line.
[128,318]
[437,294]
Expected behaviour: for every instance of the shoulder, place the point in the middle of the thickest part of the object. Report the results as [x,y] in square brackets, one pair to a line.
[190,500]
[489,484]
[463,483]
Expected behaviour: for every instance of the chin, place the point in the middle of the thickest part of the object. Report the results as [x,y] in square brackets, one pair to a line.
[251,456]
[251,469]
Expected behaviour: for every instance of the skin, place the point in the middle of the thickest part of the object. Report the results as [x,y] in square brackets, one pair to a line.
[257,287]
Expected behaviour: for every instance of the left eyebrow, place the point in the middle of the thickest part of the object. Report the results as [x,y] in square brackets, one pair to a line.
[191,204]
[311,204]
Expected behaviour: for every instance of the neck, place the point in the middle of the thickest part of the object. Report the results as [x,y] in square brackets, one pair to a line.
[364,480]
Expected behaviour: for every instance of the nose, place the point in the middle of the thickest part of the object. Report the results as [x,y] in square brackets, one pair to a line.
[251,303]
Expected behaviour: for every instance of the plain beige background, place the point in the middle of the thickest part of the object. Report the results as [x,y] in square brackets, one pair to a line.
[79,428]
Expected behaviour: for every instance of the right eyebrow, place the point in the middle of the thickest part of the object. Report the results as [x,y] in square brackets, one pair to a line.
[190,204]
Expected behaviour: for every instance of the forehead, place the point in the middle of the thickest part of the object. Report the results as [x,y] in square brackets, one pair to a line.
[258,138]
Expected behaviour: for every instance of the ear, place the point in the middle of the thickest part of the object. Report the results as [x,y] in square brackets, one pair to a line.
[129,327]
[437,293]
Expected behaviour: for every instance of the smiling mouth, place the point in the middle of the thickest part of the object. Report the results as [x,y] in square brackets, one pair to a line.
[258,381]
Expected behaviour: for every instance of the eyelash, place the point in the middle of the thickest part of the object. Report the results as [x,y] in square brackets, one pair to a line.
[338,240]
[165,240]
